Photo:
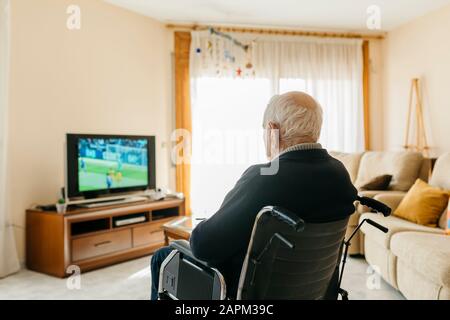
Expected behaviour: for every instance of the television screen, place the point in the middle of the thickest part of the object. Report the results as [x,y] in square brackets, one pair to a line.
[107,164]
[112,163]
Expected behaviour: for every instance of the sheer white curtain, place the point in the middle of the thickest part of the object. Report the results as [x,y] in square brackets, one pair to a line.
[8,255]
[226,136]
[328,69]
[230,90]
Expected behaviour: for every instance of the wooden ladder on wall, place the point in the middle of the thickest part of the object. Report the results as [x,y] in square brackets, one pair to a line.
[419,142]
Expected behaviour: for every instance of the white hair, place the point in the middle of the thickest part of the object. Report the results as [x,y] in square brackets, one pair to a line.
[298,115]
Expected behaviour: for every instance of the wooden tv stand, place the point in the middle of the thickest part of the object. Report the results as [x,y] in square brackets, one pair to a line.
[89,238]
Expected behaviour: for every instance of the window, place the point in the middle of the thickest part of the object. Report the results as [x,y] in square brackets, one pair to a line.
[227,136]
[231,86]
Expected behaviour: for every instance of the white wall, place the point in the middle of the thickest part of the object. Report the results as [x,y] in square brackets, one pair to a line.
[112,76]
[376,95]
[420,48]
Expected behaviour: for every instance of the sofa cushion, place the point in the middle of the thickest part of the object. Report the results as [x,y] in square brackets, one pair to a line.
[392,199]
[372,193]
[415,286]
[404,166]
[350,161]
[425,169]
[394,225]
[428,254]
[375,194]
[423,204]
[441,172]
[378,183]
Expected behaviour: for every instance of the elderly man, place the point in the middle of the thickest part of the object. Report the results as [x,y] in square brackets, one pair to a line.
[306,180]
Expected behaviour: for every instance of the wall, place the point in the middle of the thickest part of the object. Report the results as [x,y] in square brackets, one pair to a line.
[419,48]
[112,76]
[376,95]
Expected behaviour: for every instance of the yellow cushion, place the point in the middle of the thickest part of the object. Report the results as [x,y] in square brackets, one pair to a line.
[423,204]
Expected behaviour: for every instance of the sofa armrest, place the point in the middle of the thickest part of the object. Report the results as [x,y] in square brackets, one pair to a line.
[392,200]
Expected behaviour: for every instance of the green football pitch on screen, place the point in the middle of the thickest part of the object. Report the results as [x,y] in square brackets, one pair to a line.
[98,174]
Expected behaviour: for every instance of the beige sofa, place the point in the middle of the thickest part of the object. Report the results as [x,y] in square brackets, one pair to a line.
[412,258]
[405,167]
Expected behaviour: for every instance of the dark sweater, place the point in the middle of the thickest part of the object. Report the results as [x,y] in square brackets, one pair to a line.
[310,183]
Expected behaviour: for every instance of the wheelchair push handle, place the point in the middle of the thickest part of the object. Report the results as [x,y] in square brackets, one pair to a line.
[375,205]
[377,225]
[286,216]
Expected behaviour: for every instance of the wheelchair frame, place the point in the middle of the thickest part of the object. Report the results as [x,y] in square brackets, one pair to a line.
[167,282]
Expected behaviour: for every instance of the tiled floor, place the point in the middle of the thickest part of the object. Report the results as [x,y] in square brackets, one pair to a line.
[131,280]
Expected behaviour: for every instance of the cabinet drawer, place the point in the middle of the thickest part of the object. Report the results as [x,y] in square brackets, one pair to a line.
[151,234]
[94,246]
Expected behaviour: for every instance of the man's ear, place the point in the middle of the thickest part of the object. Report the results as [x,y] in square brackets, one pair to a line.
[267,142]
[274,139]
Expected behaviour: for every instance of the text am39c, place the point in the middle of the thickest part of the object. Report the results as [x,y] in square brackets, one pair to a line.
[252,309]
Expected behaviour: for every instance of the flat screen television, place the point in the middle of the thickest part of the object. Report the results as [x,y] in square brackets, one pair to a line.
[109,164]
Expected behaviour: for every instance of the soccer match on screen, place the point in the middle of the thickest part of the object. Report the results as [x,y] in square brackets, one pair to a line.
[112,163]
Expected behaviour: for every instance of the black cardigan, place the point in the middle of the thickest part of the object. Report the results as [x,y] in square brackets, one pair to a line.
[310,183]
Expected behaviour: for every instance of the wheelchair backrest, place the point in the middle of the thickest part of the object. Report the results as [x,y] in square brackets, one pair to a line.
[289,259]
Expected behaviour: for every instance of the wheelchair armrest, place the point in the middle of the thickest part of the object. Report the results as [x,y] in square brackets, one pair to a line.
[183,276]
[184,248]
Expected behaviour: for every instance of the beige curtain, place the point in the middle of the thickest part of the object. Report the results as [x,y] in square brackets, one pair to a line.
[8,255]
[183,109]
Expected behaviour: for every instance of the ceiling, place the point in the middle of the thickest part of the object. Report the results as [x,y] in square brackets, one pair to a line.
[349,15]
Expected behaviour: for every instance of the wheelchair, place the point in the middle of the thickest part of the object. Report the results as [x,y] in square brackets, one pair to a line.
[287,259]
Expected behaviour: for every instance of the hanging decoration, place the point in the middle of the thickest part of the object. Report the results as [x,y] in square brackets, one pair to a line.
[227,36]
[229,57]
[220,54]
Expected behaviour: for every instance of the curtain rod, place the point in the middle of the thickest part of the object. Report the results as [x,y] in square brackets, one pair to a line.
[280,32]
